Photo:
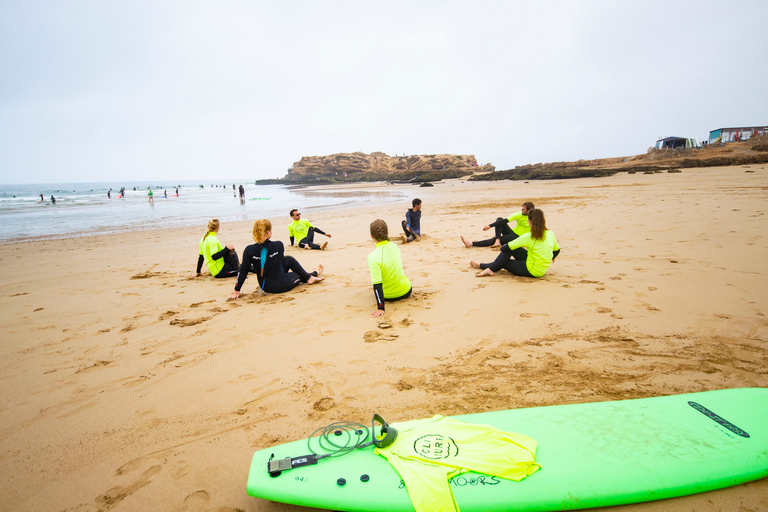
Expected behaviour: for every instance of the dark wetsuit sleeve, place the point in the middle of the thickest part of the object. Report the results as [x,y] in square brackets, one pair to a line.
[200,261]
[554,254]
[220,254]
[318,230]
[291,240]
[245,266]
[378,292]
[498,222]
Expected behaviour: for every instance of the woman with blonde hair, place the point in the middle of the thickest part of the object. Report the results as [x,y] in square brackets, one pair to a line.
[389,281]
[221,261]
[277,273]
[528,255]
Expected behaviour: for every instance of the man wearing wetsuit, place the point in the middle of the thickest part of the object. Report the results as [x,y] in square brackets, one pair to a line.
[304,232]
[412,223]
[503,234]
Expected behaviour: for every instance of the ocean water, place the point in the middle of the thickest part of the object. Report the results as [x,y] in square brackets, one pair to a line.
[82,209]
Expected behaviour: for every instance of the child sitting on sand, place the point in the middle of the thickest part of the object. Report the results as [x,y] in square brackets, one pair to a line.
[389,281]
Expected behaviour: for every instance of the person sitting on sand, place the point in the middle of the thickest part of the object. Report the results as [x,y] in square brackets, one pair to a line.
[389,281]
[529,255]
[221,261]
[277,273]
[504,234]
[304,232]
[412,223]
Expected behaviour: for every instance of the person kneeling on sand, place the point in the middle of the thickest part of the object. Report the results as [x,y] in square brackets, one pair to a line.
[389,281]
[221,261]
[412,223]
[277,273]
[529,255]
[304,232]
[504,234]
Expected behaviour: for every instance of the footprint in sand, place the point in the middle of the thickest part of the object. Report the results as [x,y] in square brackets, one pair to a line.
[374,336]
[117,494]
[189,322]
[198,501]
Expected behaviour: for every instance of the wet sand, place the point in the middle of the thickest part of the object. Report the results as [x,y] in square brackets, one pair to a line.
[127,384]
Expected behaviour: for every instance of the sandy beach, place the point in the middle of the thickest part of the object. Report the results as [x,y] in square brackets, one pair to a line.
[127,384]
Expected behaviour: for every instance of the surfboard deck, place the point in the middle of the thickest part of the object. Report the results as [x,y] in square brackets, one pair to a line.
[591,455]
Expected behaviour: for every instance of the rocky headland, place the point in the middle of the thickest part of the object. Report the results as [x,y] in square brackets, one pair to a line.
[354,167]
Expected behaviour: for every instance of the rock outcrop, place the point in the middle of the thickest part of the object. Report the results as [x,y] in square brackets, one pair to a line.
[382,167]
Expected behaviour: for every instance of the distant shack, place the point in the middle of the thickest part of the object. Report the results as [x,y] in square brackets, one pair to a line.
[736,134]
[675,143]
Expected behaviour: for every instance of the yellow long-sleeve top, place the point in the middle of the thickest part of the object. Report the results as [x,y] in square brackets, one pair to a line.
[427,453]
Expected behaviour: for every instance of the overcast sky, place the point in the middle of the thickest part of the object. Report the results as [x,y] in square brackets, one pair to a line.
[96,90]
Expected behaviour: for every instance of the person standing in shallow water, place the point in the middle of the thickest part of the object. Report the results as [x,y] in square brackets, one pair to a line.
[386,266]
[529,255]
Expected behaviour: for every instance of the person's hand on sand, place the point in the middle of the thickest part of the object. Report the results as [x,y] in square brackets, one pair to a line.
[486,227]
[235,294]
[377,313]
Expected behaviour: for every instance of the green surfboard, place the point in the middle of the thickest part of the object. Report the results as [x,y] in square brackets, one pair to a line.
[591,455]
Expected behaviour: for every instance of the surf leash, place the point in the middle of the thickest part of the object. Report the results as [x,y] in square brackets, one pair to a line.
[336,440]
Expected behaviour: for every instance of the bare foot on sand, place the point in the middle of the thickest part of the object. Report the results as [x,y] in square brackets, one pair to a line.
[474,264]
[403,239]
[467,244]
[324,246]
[486,272]
[319,270]
[313,280]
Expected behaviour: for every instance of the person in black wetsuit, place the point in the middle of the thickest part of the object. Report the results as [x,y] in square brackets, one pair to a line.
[280,273]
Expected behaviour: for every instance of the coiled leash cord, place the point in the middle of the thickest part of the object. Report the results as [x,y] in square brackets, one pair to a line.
[335,440]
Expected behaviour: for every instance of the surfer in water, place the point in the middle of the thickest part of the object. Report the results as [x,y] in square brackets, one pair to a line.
[528,255]
[386,266]
[221,261]
[503,233]
[276,272]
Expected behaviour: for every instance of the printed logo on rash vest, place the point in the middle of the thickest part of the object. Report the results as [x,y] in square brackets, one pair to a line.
[722,421]
[435,447]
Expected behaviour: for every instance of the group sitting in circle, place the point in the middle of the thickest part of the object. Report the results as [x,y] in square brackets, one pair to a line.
[527,249]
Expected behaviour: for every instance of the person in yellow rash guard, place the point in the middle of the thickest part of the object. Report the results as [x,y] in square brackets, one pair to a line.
[427,453]
[304,232]
[221,261]
[529,255]
[389,281]
[503,233]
